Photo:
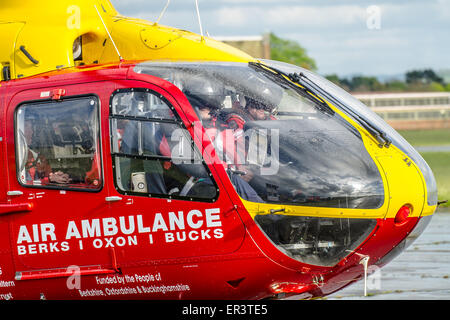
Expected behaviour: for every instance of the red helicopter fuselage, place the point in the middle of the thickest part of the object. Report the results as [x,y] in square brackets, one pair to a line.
[62,241]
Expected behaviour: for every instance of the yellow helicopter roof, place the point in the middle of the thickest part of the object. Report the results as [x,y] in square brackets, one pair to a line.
[41,36]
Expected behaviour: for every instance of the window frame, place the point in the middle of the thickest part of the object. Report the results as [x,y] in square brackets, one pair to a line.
[99,137]
[176,121]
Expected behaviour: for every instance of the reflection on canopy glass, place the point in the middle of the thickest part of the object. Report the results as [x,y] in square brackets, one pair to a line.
[366,114]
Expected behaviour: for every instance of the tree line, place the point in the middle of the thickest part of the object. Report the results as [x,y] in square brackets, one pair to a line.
[414,81]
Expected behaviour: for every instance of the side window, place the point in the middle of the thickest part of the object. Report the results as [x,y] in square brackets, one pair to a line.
[57,144]
[152,153]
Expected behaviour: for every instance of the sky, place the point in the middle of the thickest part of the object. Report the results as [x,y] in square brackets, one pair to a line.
[345,37]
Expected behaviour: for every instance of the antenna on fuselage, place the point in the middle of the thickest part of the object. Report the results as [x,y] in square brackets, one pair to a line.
[109,34]
[199,20]
[163,11]
[198,16]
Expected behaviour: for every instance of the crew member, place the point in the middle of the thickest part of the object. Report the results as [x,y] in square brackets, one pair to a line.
[257,111]
[37,167]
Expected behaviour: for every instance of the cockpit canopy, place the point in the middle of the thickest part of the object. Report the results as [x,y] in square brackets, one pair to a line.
[279,143]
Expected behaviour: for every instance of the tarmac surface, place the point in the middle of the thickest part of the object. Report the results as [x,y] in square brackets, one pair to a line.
[421,272]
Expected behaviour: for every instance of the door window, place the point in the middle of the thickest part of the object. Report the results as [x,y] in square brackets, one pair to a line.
[153,154]
[57,144]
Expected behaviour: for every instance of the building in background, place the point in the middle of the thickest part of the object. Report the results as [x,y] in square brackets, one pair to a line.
[411,110]
[256,46]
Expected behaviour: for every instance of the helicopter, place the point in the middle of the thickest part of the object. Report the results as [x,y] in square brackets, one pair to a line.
[140,161]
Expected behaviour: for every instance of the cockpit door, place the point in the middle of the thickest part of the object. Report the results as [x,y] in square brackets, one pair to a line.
[167,203]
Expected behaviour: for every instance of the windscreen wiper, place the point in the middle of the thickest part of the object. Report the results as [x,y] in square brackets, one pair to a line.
[293,83]
[311,87]
[381,137]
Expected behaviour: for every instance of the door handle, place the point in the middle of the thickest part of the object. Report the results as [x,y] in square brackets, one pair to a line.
[113,199]
[14,193]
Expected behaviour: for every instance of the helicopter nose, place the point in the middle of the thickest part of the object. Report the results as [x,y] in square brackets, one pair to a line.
[407,209]
[412,227]
[417,230]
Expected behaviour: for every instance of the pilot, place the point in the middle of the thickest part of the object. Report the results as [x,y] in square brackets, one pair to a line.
[37,167]
[239,178]
[224,139]
[244,173]
[207,98]
[237,116]
[233,117]
[257,111]
[208,115]
[207,102]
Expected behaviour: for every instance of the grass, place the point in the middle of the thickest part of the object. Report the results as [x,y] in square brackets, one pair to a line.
[440,164]
[419,138]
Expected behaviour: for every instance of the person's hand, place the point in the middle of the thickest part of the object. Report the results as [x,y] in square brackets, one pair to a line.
[249,174]
[59,177]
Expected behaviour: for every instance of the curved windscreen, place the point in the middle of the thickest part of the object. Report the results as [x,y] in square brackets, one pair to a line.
[368,115]
[313,240]
[279,143]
